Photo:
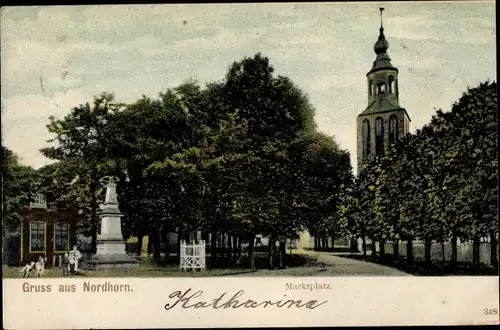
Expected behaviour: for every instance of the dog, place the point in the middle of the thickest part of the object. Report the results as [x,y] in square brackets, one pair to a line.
[26,270]
[38,267]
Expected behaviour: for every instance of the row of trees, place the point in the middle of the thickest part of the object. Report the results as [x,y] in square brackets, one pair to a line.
[242,157]
[236,158]
[438,184]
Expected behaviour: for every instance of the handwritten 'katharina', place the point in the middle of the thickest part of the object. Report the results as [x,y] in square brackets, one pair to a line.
[187,300]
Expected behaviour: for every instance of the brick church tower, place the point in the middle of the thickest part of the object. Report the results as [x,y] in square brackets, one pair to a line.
[384,120]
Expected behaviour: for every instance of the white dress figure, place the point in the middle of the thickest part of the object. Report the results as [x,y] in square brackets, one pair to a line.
[74,257]
[360,244]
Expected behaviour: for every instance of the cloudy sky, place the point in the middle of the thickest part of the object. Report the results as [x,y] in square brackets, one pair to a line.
[54,58]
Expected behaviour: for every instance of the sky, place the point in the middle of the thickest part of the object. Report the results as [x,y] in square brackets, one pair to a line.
[55,58]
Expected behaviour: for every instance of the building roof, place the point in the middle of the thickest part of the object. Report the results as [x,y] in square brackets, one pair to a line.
[383,105]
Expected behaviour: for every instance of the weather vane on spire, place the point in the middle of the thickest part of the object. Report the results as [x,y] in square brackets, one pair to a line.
[381,10]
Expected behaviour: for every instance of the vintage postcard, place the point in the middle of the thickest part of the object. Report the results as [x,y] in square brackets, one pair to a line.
[247,165]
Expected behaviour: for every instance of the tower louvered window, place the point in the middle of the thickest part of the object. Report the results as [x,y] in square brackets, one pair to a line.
[366,138]
[379,136]
[393,129]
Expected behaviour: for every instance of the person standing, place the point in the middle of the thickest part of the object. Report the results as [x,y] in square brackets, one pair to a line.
[74,257]
[66,265]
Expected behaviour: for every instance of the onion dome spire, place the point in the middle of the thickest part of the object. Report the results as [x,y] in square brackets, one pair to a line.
[382,60]
[382,44]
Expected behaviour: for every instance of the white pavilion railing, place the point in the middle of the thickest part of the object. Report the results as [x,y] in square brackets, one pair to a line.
[192,255]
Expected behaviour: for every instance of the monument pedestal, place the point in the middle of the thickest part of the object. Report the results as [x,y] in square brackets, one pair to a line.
[111,255]
[112,262]
[111,252]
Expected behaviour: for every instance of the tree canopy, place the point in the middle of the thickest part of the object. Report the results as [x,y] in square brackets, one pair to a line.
[441,182]
[242,157]
[235,158]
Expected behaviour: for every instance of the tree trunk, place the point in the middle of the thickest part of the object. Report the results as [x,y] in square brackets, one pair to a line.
[271,253]
[428,245]
[374,249]
[493,249]
[166,249]
[353,245]
[442,251]
[454,251]
[409,251]
[475,250]
[223,245]
[395,250]
[140,238]
[150,243]
[235,247]
[364,246]
[179,239]
[239,247]
[156,245]
[213,247]
[382,249]
[282,253]
[229,247]
[251,256]
[316,245]
[220,249]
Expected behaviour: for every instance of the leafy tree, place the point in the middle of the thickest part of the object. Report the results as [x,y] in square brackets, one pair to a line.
[471,125]
[81,148]
[146,132]
[18,184]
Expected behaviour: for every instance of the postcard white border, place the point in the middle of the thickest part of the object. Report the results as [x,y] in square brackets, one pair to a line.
[350,301]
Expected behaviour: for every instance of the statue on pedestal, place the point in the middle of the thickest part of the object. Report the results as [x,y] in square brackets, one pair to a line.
[111,251]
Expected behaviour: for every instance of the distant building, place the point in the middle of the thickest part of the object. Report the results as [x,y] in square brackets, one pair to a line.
[381,124]
[384,121]
[43,232]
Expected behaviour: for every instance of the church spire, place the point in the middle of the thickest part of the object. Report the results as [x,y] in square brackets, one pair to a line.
[381,35]
[382,44]
[383,121]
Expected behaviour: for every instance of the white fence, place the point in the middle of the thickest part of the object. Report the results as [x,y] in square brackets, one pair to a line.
[192,256]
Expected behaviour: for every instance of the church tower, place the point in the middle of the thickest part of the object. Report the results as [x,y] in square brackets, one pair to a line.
[384,120]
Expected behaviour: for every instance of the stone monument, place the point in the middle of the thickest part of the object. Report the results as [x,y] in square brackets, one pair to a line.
[111,251]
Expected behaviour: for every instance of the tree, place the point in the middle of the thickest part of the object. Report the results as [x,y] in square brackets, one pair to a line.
[82,150]
[145,133]
[472,126]
[18,185]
